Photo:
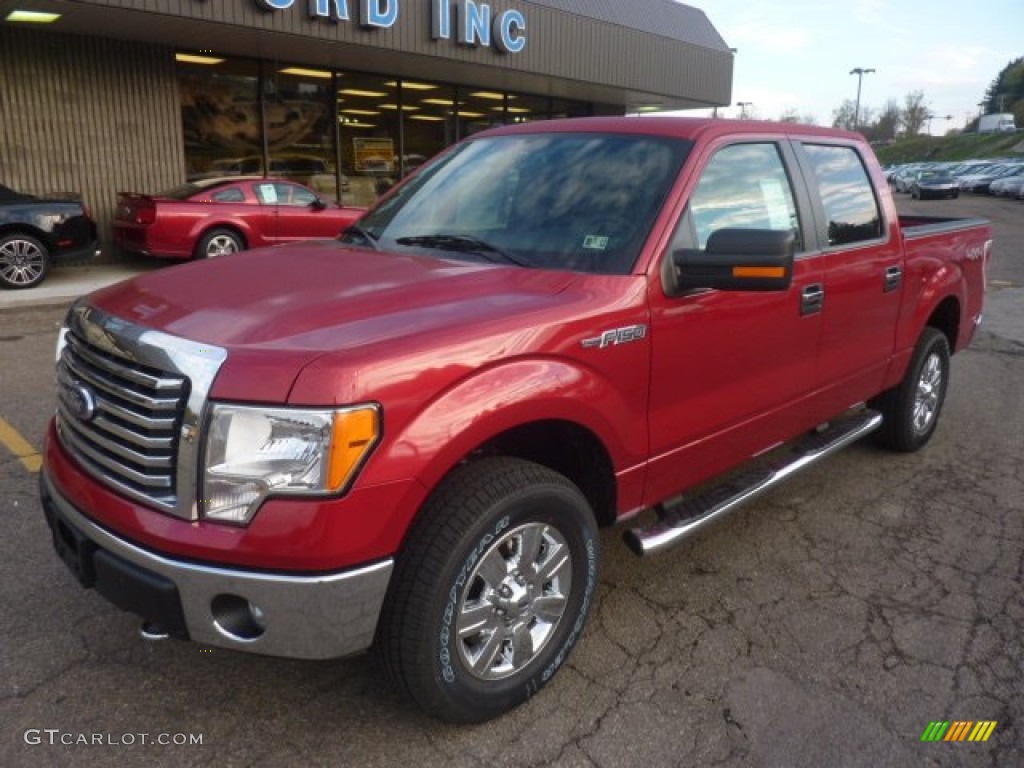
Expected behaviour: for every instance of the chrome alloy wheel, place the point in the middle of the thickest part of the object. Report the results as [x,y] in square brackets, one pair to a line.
[513,600]
[22,262]
[221,245]
[928,395]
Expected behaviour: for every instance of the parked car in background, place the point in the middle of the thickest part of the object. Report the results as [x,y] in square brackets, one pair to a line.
[933,184]
[968,178]
[980,182]
[36,230]
[1008,186]
[212,217]
[903,178]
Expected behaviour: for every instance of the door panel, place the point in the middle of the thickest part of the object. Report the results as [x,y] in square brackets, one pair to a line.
[727,364]
[863,276]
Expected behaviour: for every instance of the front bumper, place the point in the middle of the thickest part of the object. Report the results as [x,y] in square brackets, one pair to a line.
[307,617]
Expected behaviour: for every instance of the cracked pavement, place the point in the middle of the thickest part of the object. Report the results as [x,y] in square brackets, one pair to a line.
[826,624]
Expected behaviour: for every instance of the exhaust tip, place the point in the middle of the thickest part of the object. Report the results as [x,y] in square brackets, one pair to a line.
[152,631]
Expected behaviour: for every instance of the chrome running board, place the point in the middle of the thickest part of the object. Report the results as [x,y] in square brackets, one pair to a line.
[682,518]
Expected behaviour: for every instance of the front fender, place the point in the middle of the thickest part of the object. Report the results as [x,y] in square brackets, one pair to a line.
[502,397]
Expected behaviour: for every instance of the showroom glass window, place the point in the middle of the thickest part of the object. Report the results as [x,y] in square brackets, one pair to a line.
[428,121]
[299,126]
[369,113]
[526,108]
[220,116]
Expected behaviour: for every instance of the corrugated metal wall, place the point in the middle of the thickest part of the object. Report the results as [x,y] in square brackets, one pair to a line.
[89,116]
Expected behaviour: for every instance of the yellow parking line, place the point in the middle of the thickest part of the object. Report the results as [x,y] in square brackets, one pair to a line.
[20,447]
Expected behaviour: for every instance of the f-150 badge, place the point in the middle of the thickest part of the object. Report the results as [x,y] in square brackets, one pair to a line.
[616,336]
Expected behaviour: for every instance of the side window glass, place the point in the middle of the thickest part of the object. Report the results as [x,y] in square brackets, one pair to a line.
[846,194]
[744,186]
[229,195]
[267,193]
[294,195]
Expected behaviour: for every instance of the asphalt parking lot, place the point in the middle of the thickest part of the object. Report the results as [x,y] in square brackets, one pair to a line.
[827,624]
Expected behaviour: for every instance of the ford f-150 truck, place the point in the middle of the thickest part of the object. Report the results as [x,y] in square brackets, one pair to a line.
[409,439]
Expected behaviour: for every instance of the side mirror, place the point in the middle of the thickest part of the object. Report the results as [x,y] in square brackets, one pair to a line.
[318,204]
[737,260]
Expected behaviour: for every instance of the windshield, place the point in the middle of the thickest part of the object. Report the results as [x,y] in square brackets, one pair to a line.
[583,202]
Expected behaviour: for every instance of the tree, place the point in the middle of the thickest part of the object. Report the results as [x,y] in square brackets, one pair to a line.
[792,116]
[915,113]
[1006,93]
[887,124]
[845,116]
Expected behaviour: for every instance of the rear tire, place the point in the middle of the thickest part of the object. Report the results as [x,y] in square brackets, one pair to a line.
[911,409]
[219,242]
[24,261]
[491,591]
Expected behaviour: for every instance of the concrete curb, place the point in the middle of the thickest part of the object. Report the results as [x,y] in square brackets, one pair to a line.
[64,284]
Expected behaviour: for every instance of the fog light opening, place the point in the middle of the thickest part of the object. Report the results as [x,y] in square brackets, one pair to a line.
[237,619]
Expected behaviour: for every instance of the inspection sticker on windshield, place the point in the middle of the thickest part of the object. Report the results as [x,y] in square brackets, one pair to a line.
[595,242]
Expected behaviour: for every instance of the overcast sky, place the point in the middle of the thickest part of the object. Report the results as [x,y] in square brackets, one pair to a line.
[797,54]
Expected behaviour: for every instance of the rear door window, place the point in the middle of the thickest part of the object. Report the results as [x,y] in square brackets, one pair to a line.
[847,195]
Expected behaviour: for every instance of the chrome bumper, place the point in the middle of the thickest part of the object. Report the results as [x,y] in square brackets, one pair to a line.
[305,617]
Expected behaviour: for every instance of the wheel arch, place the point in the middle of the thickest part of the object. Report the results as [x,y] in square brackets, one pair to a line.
[946,317]
[561,416]
[22,228]
[565,447]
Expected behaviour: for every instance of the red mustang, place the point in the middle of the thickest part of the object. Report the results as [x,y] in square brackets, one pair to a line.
[217,216]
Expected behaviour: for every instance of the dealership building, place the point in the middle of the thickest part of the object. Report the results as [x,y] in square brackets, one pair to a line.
[102,96]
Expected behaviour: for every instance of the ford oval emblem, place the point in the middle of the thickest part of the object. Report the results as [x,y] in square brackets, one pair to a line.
[80,400]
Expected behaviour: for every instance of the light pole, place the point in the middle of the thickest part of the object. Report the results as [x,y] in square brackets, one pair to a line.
[859,72]
[743,108]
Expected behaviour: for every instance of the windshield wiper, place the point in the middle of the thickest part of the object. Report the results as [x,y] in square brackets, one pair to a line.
[366,235]
[464,244]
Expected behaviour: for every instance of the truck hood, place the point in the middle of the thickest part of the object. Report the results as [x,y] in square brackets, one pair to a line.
[277,309]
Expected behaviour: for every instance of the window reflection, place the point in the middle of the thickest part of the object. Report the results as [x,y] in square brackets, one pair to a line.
[744,186]
[220,116]
[846,194]
[300,134]
[430,128]
[346,135]
[590,200]
[369,111]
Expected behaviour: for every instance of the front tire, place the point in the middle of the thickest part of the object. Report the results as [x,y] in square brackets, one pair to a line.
[24,261]
[911,410]
[491,591]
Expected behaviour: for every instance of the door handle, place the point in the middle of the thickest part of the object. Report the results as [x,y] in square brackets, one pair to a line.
[893,278]
[812,299]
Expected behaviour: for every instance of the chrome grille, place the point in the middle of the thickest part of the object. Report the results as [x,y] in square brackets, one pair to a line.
[131,402]
[121,419]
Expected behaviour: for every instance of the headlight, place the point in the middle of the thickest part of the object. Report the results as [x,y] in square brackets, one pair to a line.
[253,453]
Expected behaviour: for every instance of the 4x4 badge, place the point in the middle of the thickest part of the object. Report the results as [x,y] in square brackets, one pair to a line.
[616,336]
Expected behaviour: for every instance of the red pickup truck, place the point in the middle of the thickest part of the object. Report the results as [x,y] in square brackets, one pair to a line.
[410,439]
